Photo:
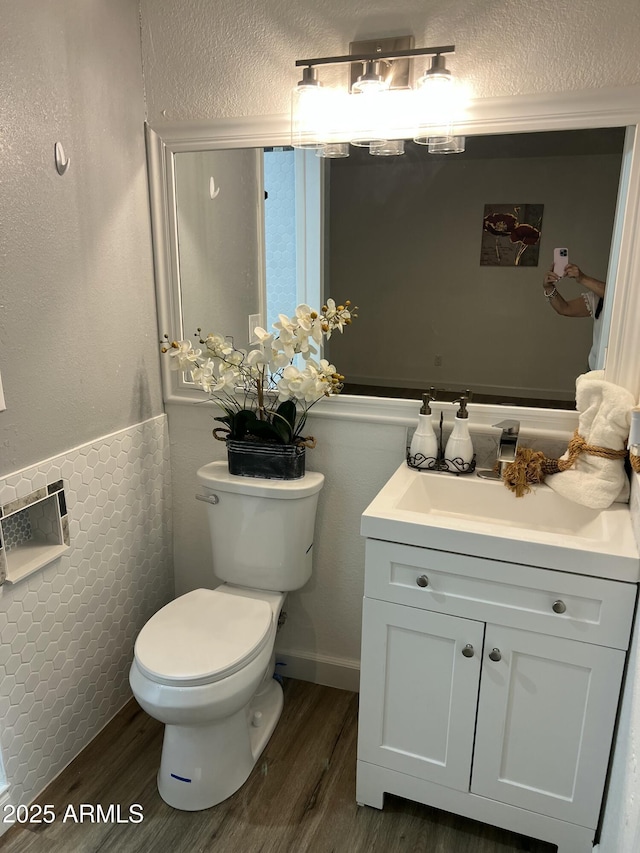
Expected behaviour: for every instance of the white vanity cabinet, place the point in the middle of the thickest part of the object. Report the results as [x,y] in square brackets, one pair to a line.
[490,689]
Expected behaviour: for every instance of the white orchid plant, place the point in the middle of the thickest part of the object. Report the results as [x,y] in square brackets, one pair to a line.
[264,395]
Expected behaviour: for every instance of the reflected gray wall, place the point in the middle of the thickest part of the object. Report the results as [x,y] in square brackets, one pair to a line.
[405,243]
[219,240]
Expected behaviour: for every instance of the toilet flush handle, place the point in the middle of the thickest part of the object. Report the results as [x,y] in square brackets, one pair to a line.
[210,499]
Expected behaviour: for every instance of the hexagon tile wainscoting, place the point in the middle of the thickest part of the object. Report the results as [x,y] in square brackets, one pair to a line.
[67,630]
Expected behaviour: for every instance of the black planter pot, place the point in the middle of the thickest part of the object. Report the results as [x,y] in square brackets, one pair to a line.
[270,461]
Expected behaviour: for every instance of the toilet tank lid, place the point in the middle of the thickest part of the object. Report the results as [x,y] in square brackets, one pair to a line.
[216,476]
[202,636]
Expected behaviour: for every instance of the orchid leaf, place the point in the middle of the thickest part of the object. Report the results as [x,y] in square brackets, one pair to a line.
[284,420]
[265,430]
[241,423]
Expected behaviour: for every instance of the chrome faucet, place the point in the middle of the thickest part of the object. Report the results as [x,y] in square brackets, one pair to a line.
[508,442]
[507,447]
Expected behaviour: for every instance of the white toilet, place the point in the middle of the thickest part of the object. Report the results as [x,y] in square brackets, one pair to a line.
[203,664]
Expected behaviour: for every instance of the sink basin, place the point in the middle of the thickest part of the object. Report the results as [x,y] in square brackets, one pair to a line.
[492,503]
[483,518]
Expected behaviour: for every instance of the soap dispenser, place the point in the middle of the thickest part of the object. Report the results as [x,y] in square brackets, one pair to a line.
[424,444]
[458,453]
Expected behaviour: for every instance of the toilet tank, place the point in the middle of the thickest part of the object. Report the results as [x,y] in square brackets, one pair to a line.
[261,530]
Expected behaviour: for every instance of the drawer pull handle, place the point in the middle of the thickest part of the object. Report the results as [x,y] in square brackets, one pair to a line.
[423,581]
[468,651]
[496,654]
[559,606]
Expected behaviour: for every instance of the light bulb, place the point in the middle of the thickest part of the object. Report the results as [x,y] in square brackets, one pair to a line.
[372,79]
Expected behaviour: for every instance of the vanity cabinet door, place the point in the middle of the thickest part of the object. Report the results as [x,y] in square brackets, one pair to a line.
[419,691]
[546,714]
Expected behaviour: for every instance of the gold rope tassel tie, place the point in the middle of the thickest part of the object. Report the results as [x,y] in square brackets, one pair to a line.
[306,441]
[532,466]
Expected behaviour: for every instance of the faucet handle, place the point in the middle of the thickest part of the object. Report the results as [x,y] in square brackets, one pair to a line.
[509,426]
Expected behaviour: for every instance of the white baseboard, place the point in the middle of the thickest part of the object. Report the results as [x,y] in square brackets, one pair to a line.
[319,669]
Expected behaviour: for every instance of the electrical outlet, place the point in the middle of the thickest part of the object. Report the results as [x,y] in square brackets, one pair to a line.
[3,405]
[437,361]
[254,320]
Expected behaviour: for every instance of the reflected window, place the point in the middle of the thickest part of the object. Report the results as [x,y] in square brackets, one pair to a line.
[280,232]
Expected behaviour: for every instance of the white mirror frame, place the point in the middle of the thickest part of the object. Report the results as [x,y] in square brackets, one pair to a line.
[521,114]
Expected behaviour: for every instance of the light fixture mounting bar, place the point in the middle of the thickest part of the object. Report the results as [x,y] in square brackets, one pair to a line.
[366,57]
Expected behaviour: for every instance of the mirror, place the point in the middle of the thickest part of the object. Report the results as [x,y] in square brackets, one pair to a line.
[497,117]
[456,306]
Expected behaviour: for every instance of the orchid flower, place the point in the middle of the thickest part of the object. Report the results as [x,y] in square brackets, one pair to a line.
[263,381]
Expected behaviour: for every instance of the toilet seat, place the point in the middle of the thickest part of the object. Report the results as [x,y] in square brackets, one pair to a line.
[202,637]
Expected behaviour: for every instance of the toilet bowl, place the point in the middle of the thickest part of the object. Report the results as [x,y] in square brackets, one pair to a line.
[204,664]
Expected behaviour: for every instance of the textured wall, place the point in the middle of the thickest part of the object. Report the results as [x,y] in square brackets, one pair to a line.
[237,57]
[79,360]
[67,631]
[78,331]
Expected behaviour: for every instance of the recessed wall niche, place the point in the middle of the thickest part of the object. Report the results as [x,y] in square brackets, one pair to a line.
[34,530]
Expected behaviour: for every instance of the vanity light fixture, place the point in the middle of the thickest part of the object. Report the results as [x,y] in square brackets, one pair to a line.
[381,109]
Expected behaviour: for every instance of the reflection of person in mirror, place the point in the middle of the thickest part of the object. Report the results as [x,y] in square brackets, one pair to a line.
[588,304]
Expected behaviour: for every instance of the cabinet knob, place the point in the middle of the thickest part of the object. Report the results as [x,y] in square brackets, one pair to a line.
[559,606]
[495,654]
[423,581]
[468,651]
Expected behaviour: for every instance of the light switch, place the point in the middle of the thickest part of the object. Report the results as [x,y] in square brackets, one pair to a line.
[254,320]
[3,405]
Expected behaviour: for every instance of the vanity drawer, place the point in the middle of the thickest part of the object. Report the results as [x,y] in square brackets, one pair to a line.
[595,610]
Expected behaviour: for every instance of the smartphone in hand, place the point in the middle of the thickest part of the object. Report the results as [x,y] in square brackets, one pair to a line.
[560,260]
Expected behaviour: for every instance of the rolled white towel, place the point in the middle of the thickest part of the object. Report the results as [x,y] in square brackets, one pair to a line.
[604,418]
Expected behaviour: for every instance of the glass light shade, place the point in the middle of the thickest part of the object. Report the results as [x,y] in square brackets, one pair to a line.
[435,103]
[333,150]
[388,148]
[446,144]
[366,118]
[335,124]
[376,118]
[308,112]
[441,131]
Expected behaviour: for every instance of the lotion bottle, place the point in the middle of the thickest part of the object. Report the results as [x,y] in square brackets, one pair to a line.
[424,444]
[458,453]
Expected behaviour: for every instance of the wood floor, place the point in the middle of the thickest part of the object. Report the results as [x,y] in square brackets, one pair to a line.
[300,797]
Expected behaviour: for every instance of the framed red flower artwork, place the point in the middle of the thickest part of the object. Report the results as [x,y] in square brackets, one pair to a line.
[511,235]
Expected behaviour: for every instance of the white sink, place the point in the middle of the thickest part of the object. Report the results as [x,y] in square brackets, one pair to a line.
[469,515]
